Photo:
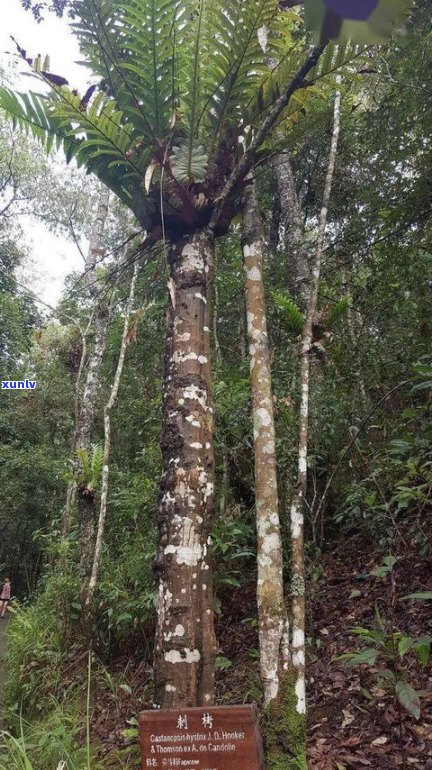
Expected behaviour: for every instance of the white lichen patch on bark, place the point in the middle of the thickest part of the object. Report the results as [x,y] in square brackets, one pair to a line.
[194,393]
[271,542]
[186,656]
[252,250]
[297,519]
[269,448]
[185,554]
[193,421]
[254,274]
[179,630]
[264,417]
[179,357]
[250,318]
[192,259]
[298,648]
[300,691]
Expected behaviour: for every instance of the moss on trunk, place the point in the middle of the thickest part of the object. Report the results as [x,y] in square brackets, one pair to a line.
[285,729]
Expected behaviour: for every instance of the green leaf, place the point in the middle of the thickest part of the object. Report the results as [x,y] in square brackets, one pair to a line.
[189,163]
[222,662]
[291,313]
[228,580]
[421,648]
[408,698]
[422,595]
[404,644]
[368,656]
[388,675]
[338,310]
[368,633]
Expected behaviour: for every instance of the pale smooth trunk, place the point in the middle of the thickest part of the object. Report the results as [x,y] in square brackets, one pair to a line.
[293,230]
[270,599]
[358,373]
[298,502]
[86,404]
[107,438]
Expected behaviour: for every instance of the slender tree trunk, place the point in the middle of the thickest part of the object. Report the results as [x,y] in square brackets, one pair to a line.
[271,608]
[185,645]
[107,438]
[358,373]
[275,216]
[224,485]
[293,230]
[86,505]
[297,506]
[85,404]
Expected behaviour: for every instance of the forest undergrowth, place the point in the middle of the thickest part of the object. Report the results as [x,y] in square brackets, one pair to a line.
[353,720]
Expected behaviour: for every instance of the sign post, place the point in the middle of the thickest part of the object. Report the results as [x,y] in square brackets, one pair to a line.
[213,738]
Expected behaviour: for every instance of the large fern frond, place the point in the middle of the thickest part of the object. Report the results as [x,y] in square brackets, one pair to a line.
[342,60]
[96,135]
[338,310]
[130,45]
[291,313]
[237,63]
[33,114]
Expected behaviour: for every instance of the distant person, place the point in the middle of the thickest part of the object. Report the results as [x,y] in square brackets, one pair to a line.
[5,597]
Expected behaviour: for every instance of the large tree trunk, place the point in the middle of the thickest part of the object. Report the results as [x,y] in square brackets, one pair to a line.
[270,598]
[185,646]
[297,506]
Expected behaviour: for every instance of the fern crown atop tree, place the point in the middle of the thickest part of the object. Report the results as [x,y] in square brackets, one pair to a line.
[179,88]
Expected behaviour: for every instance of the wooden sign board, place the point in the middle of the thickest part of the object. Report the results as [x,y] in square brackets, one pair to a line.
[213,738]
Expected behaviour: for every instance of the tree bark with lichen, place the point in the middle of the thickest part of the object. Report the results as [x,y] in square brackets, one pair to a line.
[293,229]
[298,501]
[107,440]
[284,729]
[185,645]
[86,401]
[270,595]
